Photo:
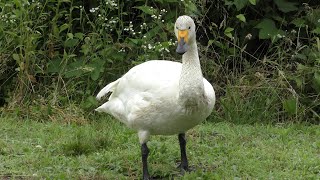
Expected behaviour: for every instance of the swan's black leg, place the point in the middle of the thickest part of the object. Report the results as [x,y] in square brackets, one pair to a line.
[184,161]
[144,154]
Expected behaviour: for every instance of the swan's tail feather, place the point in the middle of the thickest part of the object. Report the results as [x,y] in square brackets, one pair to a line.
[108,88]
[115,108]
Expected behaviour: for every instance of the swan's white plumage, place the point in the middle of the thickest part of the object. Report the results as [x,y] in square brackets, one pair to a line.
[161,97]
[146,99]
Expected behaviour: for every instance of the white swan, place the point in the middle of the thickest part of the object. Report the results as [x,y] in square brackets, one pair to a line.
[162,97]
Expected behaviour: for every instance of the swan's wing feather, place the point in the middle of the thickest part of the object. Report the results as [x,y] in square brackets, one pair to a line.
[210,94]
[108,88]
[145,82]
[154,74]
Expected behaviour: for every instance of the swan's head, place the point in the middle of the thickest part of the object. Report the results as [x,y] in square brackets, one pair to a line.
[185,30]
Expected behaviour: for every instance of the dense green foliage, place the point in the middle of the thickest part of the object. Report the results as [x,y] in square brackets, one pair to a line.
[262,57]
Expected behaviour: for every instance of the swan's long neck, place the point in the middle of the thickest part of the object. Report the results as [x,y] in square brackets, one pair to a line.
[191,88]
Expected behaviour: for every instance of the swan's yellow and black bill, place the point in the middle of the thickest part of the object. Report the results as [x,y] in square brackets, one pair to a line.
[183,34]
[182,41]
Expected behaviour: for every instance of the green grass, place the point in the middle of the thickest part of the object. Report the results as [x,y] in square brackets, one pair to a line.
[106,149]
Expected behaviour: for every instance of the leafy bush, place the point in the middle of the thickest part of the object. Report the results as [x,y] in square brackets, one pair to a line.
[268,44]
[65,51]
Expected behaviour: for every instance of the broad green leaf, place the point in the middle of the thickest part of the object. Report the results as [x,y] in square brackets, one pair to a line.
[90,102]
[16,57]
[70,35]
[54,66]
[216,43]
[63,27]
[301,56]
[286,6]
[135,41]
[76,69]
[191,7]
[290,106]
[316,30]
[17,3]
[153,32]
[210,42]
[228,3]
[228,31]
[301,67]
[85,49]
[71,42]
[298,22]
[240,4]
[299,81]
[97,65]
[146,9]
[79,36]
[95,74]
[241,17]
[219,44]
[228,34]
[253,2]
[268,29]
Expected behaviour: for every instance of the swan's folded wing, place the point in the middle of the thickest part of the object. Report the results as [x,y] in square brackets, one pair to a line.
[210,95]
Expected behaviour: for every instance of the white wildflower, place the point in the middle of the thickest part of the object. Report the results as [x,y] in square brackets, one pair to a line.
[249,36]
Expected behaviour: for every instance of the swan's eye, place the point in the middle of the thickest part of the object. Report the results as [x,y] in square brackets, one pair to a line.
[177,27]
[189,27]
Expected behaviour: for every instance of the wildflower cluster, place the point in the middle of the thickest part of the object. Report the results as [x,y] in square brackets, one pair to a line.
[159,47]
[37,4]
[112,4]
[130,28]
[159,16]
[102,11]
[280,36]
[8,19]
[93,10]
[109,24]
[122,50]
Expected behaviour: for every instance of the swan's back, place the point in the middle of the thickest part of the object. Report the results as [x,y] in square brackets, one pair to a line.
[151,76]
